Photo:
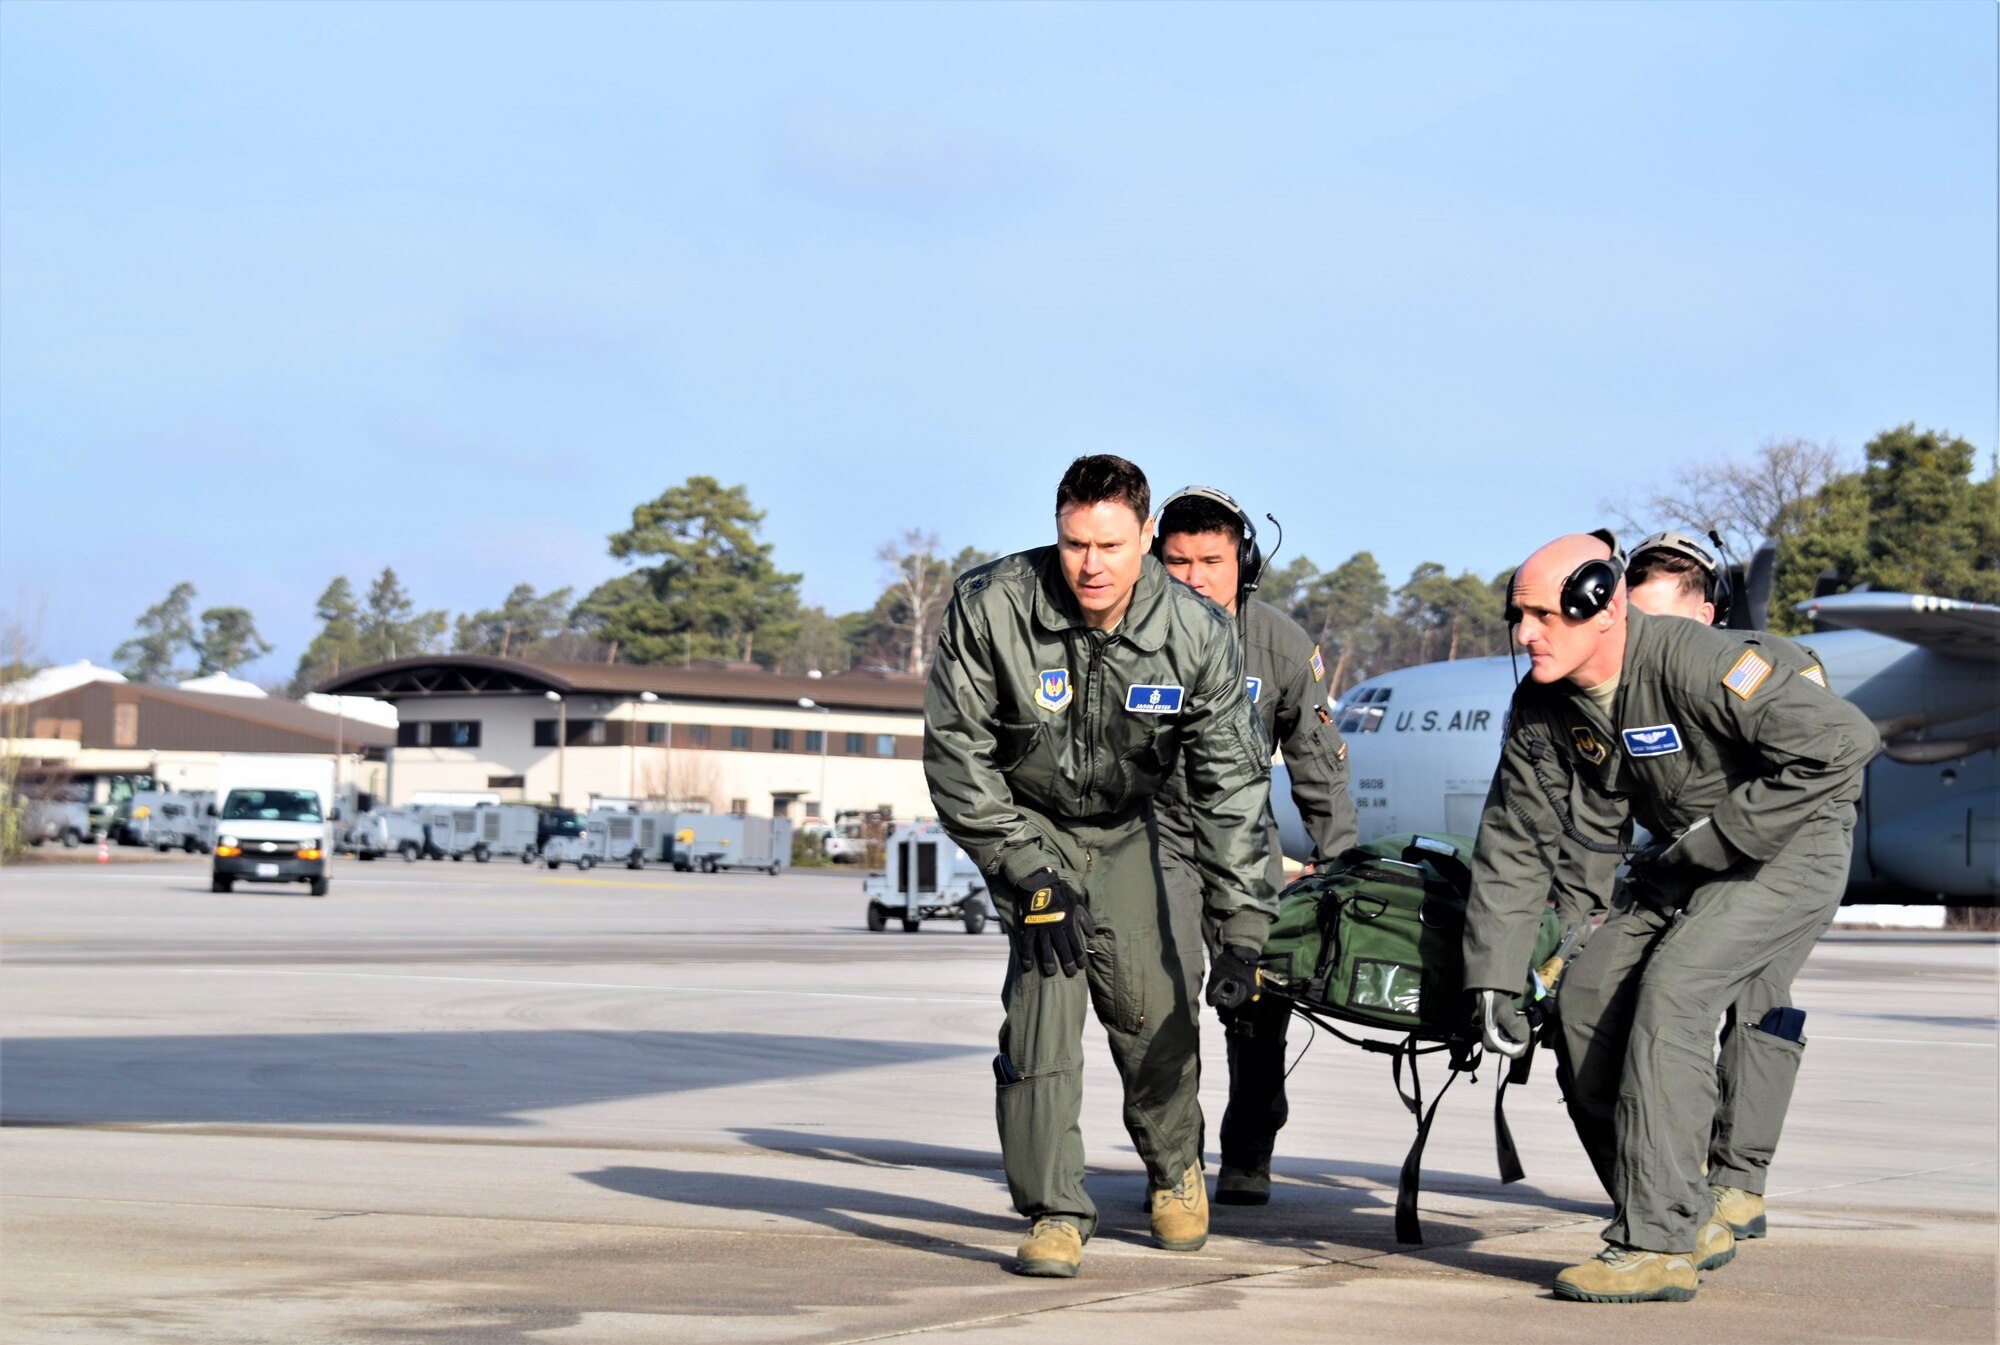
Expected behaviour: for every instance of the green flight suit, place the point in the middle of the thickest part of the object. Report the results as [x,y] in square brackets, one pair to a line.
[1044,744]
[1286,676]
[1705,725]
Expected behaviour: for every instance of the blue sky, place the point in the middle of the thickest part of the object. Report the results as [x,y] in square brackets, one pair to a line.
[288,291]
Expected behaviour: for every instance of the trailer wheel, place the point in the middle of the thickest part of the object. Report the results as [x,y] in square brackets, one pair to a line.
[555,863]
[584,863]
[911,926]
[773,869]
[528,855]
[481,853]
[318,887]
[878,917]
[71,839]
[190,846]
[221,883]
[365,855]
[457,856]
[635,860]
[408,850]
[975,918]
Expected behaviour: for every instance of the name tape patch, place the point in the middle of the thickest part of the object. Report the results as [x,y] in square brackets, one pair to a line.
[1153,700]
[1255,686]
[1655,740]
[1747,675]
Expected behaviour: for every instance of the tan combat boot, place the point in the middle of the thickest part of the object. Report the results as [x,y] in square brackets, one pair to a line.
[1714,1246]
[1629,1275]
[1053,1249]
[1180,1213]
[1742,1210]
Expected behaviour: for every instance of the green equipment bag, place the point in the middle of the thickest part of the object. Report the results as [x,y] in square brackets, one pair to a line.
[1376,941]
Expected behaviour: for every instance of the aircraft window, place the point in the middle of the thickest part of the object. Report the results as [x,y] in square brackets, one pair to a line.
[1375,715]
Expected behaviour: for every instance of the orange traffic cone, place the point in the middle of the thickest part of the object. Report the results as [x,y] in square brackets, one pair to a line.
[104,851]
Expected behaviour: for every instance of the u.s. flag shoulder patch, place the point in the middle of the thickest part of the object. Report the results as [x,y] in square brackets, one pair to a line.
[1319,665]
[1747,674]
[1816,675]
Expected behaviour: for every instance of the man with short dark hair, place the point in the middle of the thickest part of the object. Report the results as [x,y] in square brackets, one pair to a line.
[1070,682]
[1763,1040]
[1745,770]
[1207,541]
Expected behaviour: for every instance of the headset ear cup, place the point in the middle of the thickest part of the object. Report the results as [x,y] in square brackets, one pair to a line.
[1589,589]
[1249,565]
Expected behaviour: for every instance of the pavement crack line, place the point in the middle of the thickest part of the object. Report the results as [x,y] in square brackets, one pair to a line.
[984,1001]
[1888,1177]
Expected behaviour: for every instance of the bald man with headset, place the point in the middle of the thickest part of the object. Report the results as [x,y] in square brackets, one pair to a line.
[1209,542]
[1745,770]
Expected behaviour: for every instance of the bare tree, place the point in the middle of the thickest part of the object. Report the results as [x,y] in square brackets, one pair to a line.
[919,584]
[1744,501]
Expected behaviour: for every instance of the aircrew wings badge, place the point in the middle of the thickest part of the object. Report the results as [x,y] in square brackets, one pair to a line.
[1052,690]
[1319,665]
[1747,675]
[1587,745]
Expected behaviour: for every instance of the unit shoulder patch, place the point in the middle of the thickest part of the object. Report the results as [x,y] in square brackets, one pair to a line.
[1052,688]
[1147,699]
[1747,674]
[1655,740]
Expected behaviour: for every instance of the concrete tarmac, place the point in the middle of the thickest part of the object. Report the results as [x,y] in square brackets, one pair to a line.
[488,1103]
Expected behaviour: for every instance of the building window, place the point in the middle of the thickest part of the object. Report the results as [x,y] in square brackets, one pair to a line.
[739,806]
[545,733]
[438,733]
[781,740]
[815,741]
[125,725]
[812,808]
[739,738]
[697,735]
[885,744]
[587,733]
[656,734]
[853,747]
[506,782]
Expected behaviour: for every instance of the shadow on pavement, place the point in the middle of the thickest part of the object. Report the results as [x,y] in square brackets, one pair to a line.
[860,1211]
[402,1078]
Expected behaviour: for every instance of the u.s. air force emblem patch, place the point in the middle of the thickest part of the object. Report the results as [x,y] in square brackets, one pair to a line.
[1052,690]
[1587,745]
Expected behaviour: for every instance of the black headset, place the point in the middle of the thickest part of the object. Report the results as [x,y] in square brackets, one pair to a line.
[1715,584]
[1591,585]
[1589,588]
[1249,556]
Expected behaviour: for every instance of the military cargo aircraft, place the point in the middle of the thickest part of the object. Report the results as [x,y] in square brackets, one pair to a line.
[1423,743]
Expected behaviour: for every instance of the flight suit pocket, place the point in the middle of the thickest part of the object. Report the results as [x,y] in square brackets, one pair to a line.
[1114,982]
[1013,742]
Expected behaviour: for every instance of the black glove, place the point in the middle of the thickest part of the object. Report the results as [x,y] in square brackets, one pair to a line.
[1503,1028]
[1050,925]
[1701,846]
[1234,982]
